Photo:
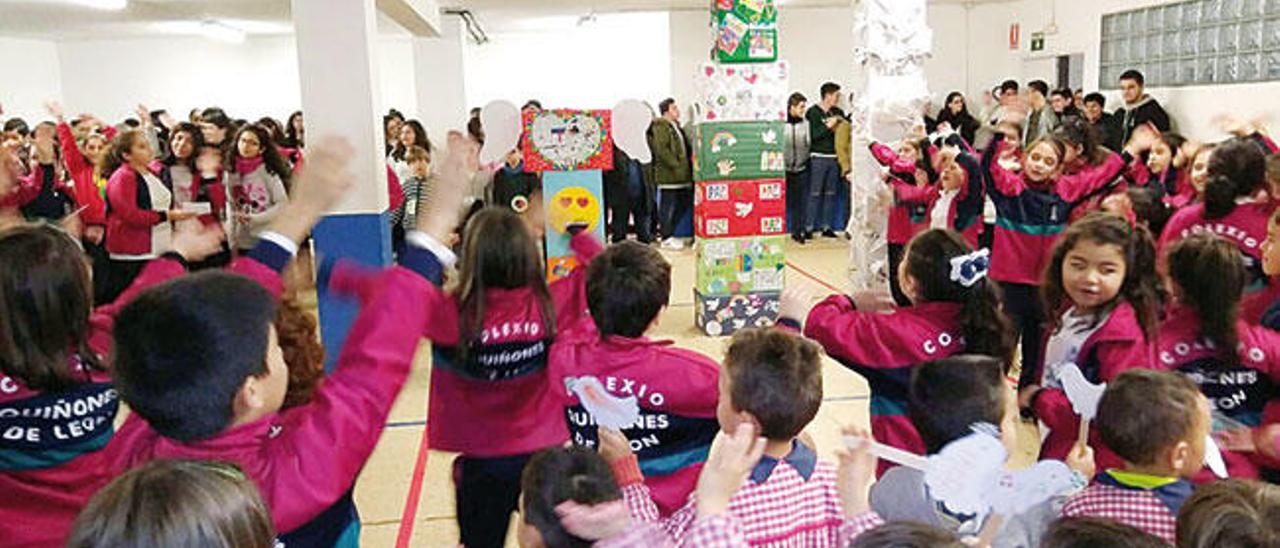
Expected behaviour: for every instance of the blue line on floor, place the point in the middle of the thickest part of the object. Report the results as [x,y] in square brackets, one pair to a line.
[402,424]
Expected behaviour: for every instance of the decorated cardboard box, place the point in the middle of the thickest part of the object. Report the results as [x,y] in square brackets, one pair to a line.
[725,314]
[740,265]
[570,197]
[738,150]
[728,209]
[746,31]
[754,12]
[728,93]
[566,140]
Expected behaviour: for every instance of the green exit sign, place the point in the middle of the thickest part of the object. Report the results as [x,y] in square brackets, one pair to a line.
[1037,41]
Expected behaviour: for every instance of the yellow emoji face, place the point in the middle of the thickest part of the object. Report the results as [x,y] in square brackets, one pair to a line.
[573,205]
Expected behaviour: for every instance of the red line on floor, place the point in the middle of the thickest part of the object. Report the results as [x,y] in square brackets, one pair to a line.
[415,493]
[814,278]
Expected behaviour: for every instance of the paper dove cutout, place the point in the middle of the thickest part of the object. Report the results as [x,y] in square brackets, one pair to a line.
[1084,395]
[502,129]
[968,475]
[609,411]
[1019,490]
[631,119]
[1213,457]
[965,472]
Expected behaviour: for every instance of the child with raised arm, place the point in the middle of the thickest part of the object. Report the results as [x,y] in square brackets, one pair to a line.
[198,363]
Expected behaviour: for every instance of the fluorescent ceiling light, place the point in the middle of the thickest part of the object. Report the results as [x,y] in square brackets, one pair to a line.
[216,30]
[111,5]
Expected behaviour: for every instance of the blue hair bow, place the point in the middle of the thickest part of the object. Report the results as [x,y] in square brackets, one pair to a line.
[968,269]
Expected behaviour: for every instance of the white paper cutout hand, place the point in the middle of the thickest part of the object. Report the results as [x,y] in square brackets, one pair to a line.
[610,411]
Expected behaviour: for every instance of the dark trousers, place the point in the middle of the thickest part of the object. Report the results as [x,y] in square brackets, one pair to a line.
[101,267]
[797,201]
[896,253]
[626,202]
[824,182]
[487,493]
[1022,304]
[119,275]
[676,204]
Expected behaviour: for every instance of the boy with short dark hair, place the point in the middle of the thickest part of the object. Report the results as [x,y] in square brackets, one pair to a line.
[198,362]
[628,286]
[1157,421]
[947,397]
[772,385]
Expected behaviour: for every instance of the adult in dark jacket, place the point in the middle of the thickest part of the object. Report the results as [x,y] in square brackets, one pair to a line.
[825,186]
[956,113]
[512,185]
[672,170]
[1107,124]
[1139,108]
[627,196]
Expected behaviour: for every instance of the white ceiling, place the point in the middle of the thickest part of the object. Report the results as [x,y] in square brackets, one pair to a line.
[61,20]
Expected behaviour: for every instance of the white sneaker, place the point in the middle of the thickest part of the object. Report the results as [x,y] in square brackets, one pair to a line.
[673,243]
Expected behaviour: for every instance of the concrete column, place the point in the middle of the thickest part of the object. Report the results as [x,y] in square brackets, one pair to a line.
[439,78]
[337,64]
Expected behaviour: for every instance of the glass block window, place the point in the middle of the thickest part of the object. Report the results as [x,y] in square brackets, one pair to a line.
[1193,42]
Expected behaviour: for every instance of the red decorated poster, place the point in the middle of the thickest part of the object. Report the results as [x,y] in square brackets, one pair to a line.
[567,140]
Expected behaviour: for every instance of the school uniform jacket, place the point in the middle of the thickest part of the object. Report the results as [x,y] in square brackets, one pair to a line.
[304,460]
[49,472]
[1247,392]
[81,171]
[964,214]
[676,390]
[906,217]
[1117,345]
[883,348]
[130,217]
[500,400]
[1245,227]
[1031,217]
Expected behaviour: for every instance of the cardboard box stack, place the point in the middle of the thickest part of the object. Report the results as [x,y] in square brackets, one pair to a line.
[739,207]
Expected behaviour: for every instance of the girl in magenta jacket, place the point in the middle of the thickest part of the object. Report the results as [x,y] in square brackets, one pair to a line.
[909,172]
[1236,364]
[1102,287]
[1033,200]
[139,211]
[954,309]
[1235,207]
[957,201]
[53,350]
[491,396]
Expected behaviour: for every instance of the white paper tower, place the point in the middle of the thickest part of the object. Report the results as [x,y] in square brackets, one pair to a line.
[892,40]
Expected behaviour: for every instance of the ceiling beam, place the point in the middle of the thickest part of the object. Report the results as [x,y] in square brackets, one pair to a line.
[419,17]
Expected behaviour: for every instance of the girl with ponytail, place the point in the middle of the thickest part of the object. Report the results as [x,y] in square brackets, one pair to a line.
[1103,296]
[1236,364]
[955,309]
[1233,207]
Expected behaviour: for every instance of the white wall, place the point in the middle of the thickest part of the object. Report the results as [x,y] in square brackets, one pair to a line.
[1080,30]
[440,80]
[256,78]
[563,64]
[32,77]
